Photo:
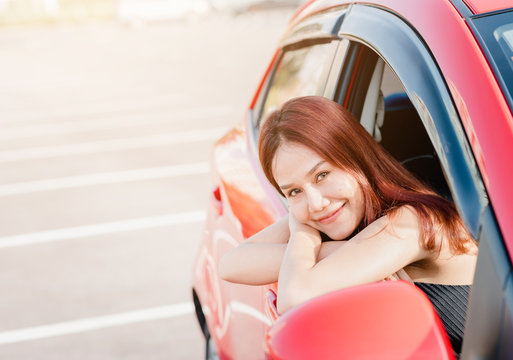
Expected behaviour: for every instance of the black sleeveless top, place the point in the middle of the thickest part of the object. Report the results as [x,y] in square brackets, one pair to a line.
[450,302]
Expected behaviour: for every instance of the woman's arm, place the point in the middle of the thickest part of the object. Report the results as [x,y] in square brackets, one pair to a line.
[379,250]
[257,260]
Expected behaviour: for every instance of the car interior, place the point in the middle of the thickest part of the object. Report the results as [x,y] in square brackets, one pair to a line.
[389,116]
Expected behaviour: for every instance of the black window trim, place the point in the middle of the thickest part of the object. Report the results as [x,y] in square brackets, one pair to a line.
[317,26]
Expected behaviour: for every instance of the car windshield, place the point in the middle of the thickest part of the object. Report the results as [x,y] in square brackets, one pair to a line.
[495,34]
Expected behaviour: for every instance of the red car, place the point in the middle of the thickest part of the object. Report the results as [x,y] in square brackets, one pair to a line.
[432,81]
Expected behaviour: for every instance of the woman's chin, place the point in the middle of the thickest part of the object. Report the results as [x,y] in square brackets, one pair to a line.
[335,231]
[339,232]
[337,235]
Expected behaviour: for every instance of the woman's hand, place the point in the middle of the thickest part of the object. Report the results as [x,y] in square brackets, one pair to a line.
[382,248]
[296,227]
[299,258]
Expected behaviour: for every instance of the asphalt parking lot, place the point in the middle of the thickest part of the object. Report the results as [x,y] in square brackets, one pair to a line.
[105,133]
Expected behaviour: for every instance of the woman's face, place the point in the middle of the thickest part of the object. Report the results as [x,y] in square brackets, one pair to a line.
[319,194]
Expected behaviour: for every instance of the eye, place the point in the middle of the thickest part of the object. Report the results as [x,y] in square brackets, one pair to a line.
[321,176]
[293,192]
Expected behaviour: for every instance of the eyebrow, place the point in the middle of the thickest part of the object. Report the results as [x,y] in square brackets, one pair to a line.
[309,173]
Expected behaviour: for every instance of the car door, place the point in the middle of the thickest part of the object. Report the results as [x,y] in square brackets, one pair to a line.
[393,84]
[390,80]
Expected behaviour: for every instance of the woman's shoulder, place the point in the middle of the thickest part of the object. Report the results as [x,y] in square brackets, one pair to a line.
[396,232]
[403,219]
[403,211]
[408,222]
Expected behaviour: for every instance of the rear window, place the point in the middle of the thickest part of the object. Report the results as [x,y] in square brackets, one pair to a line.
[300,72]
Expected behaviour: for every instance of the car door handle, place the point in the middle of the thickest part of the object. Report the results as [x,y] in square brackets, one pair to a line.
[217,200]
[271,308]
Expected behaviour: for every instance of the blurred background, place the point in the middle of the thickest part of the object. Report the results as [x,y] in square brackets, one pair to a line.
[108,111]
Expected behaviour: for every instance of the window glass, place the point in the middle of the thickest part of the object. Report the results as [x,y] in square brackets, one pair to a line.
[401,130]
[403,134]
[300,72]
[504,36]
[390,83]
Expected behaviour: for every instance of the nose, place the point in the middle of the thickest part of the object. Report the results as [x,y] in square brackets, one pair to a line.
[316,200]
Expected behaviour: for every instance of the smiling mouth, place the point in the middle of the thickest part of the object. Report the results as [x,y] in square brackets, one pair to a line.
[331,217]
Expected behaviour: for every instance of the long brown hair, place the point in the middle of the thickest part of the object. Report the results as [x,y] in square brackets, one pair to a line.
[334,133]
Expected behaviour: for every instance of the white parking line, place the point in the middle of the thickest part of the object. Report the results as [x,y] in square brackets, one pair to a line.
[95,323]
[111,145]
[246,309]
[115,121]
[103,178]
[106,105]
[102,229]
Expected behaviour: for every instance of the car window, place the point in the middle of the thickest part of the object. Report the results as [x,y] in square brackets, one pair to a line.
[299,72]
[392,39]
[402,133]
[380,101]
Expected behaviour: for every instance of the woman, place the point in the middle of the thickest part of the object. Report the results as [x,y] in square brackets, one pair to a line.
[340,184]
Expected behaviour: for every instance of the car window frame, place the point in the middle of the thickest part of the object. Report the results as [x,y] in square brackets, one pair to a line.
[402,49]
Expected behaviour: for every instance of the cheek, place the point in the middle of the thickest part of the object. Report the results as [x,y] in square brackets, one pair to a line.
[350,189]
[353,189]
[360,203]
[343,189]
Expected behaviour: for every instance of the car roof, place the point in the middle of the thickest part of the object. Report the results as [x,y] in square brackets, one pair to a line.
[475,7]
[481,7]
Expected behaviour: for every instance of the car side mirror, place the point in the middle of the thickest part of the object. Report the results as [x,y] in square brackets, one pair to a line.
[384,320]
